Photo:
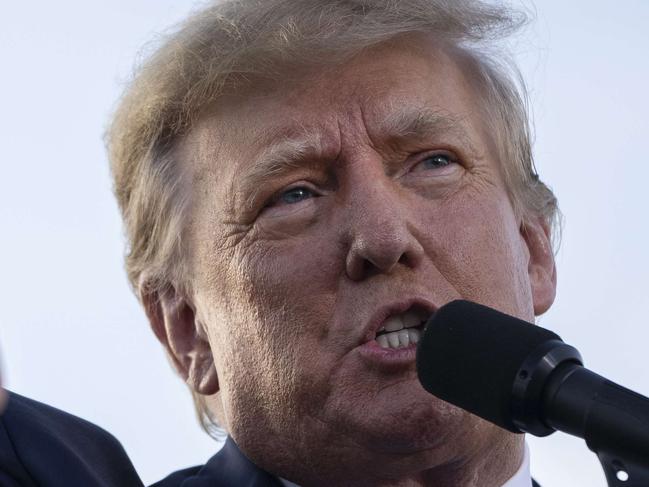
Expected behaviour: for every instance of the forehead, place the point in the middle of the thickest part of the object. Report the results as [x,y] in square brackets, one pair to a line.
[392,87]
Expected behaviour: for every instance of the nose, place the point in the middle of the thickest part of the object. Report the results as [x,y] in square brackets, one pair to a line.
[381,235]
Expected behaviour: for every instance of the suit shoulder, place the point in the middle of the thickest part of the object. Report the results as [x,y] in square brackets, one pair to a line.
[48,421]
[41,439]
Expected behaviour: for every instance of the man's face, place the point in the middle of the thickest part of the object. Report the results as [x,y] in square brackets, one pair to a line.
[322,209]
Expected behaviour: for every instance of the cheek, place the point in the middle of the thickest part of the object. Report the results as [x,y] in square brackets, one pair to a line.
[282,299]
[480,252]
[294,281]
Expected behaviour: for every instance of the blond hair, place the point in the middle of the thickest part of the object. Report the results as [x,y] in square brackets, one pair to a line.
[225,45]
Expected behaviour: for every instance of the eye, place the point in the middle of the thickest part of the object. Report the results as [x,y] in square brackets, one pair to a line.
[435,161]
[292,196]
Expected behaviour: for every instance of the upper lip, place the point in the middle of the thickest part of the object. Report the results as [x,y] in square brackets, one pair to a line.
[382,314]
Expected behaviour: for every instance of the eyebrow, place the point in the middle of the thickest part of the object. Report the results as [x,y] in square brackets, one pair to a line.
[285,154]
[420,123]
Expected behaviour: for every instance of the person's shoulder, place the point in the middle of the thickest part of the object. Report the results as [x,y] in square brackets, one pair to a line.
[42,445]
[51,422]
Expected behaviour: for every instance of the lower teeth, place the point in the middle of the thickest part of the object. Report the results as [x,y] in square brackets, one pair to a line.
[399,339]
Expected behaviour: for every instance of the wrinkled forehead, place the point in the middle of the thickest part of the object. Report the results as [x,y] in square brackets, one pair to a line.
[401,88]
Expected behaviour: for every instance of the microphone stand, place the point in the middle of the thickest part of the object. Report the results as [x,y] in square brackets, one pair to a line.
[621,473]
[613,420]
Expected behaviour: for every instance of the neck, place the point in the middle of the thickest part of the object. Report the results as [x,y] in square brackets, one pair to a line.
[490,466]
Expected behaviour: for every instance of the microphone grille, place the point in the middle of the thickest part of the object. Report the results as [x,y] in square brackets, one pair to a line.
[469,356]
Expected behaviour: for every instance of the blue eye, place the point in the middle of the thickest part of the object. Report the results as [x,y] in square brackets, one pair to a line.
[437,160]
[295,195]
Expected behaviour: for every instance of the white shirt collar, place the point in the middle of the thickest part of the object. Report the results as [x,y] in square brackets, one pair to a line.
[522,478]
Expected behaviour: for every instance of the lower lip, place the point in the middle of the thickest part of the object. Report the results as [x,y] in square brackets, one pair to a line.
[389,358]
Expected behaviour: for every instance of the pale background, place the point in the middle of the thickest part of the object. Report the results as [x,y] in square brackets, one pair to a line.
[71,333]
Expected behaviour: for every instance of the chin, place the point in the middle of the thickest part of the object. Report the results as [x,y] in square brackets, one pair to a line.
[417,427]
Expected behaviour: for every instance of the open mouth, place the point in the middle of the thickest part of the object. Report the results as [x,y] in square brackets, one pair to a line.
[403,329]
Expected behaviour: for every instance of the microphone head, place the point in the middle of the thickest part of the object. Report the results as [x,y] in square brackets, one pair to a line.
[470,355]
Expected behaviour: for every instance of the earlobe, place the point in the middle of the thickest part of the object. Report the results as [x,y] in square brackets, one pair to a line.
[173,321]
[541,266]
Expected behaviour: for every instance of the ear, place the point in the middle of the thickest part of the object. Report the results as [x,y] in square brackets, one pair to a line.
[541,266]
[173,320]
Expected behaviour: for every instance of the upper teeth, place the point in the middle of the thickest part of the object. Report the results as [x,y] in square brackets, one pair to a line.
[409,319]
[396,335]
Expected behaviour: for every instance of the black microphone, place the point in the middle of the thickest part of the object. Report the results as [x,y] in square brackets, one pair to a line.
[524,378]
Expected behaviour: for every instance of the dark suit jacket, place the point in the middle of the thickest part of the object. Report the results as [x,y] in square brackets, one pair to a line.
[41,446]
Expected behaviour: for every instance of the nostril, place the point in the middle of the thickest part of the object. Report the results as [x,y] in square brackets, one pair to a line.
[369,269]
